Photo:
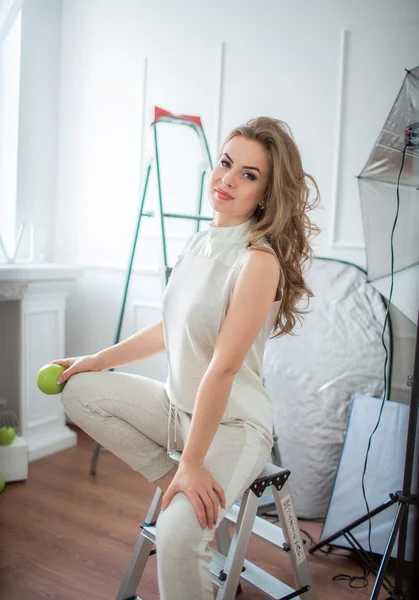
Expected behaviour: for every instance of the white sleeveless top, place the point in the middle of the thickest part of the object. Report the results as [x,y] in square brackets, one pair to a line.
[194,304]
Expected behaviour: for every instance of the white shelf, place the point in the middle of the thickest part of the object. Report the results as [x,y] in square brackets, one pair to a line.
[32,320]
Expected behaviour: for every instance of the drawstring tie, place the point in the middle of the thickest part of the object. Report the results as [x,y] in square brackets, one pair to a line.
[173,413]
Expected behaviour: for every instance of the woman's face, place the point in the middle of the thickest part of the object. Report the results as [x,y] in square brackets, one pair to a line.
[241,172]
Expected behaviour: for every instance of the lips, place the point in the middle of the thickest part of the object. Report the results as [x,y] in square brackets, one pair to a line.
[223,195]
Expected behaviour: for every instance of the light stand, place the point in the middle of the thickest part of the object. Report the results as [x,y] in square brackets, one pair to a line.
[377,195]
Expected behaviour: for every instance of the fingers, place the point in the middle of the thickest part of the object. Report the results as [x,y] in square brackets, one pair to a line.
[65,375]
[61,361]
[206,499]
[210,508]
[66,363]
[69,373]
[219,490]
[199,507]
[215,503]
[210,502]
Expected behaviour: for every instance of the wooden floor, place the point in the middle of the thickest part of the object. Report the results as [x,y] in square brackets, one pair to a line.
[67,535]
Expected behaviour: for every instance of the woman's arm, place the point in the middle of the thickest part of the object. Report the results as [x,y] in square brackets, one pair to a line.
[143,344]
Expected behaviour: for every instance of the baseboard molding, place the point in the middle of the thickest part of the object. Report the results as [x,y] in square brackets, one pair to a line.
[47,444]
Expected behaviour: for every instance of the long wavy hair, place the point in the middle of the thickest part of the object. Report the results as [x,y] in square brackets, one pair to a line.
[284,220]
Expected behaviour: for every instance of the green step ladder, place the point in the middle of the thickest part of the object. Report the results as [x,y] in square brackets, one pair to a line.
[161,116]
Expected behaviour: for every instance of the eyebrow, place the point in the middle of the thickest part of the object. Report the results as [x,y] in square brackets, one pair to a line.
[231,160]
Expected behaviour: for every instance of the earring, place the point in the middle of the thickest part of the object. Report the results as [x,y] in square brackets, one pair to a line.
[261,206]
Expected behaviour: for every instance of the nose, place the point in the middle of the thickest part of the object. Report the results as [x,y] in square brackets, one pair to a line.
[228,179]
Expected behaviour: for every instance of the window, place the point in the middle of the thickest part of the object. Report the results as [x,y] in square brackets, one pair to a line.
[10,43]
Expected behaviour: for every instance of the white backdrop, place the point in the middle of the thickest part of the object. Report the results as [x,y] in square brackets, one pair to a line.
[384,473]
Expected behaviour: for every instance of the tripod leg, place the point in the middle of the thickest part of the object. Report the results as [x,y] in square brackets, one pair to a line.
[401,551]
[387,553]
[354,524]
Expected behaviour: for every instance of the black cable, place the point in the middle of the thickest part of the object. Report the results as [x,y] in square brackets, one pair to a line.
[343,576]
[340,576]
[386,391]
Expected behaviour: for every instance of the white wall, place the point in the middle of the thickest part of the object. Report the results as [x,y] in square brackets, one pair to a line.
[331,69]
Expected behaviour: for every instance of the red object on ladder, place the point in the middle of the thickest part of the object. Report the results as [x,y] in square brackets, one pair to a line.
[160,114]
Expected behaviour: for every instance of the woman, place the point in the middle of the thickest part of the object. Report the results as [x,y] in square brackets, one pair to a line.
[232,285]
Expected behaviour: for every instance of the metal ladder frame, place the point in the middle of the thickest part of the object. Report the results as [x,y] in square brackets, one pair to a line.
[229,564]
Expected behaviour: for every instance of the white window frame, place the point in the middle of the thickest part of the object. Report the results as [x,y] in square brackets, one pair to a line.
[10,53]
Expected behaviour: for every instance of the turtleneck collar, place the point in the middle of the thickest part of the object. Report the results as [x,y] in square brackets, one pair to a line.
[232,234]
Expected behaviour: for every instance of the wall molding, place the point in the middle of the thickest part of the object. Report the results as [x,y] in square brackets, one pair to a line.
[348,245]
[50,442]
[143,129]
[41,421]
[337,168]
[120,268]
[219,99]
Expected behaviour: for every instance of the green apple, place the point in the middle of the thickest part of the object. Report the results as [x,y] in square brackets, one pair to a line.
[47,379]
[2,483]
[7,435]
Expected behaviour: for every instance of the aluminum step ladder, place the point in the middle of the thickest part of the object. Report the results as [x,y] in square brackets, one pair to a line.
[229,565]
[161,116]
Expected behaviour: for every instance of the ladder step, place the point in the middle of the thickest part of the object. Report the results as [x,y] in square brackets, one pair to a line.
[270,585]
[149,532]
[196,217]
[261,527]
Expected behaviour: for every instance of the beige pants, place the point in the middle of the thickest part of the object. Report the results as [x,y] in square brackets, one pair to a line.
[128,415]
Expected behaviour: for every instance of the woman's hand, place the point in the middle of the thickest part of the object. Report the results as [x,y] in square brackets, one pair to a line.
[79,364]
[204,492]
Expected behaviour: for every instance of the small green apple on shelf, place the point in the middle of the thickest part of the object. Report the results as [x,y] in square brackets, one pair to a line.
[7,435]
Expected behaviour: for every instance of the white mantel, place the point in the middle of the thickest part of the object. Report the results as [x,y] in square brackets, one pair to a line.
[26,272]
[32,333]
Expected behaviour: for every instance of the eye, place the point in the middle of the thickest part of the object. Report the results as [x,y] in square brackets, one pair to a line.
[226,162]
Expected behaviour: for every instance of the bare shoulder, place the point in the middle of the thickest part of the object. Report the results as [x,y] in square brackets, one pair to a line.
[252,297]
[263,258]
[260,273]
